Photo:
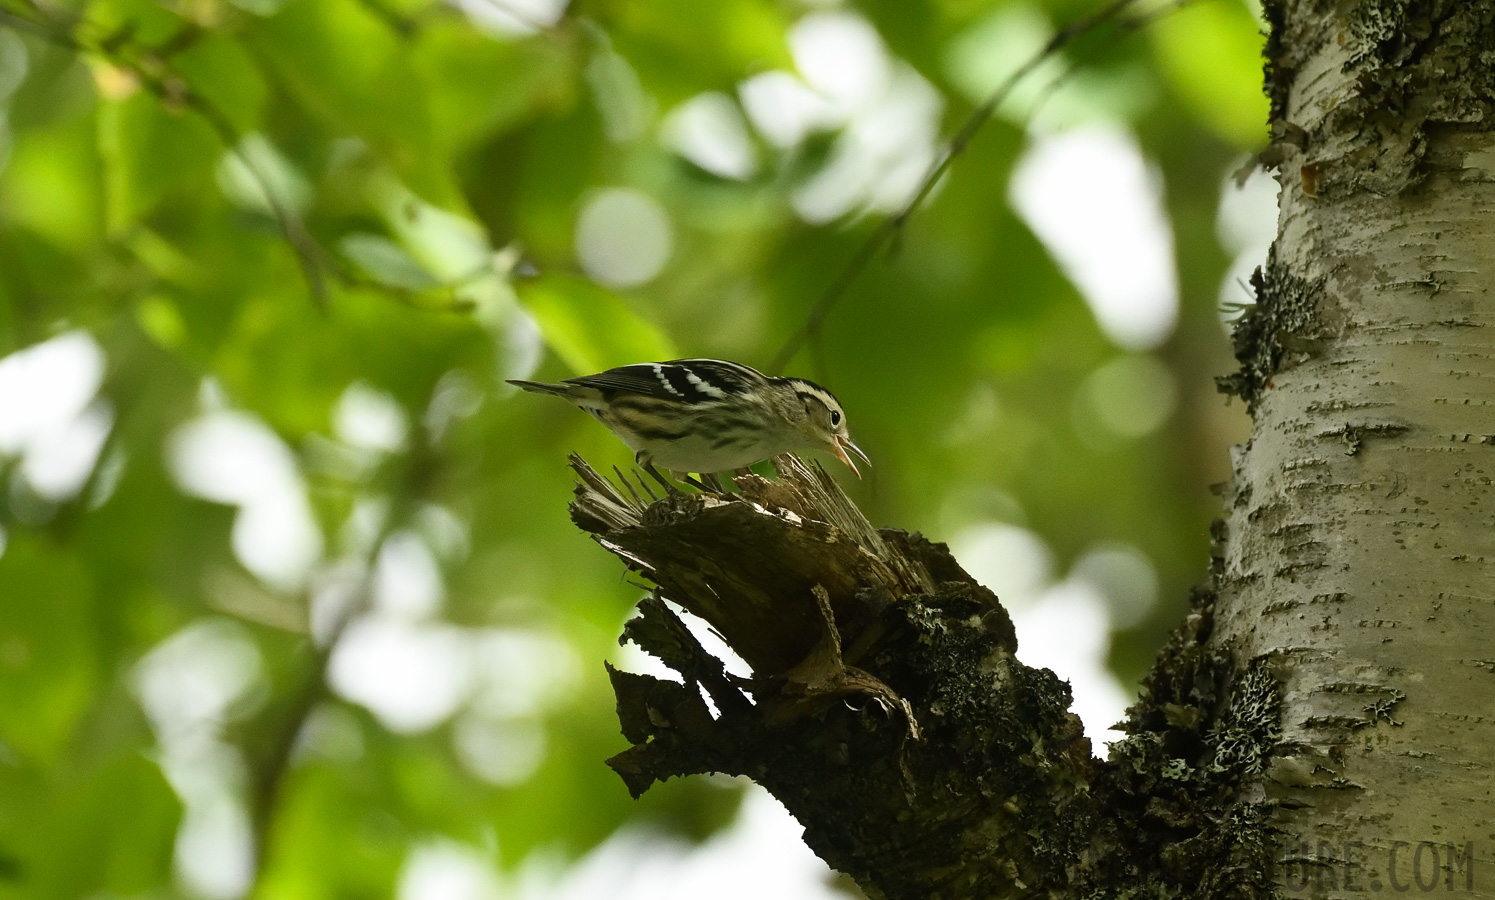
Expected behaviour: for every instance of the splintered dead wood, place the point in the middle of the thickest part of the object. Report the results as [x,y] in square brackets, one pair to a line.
[748,563]
[781,570]
[884,701]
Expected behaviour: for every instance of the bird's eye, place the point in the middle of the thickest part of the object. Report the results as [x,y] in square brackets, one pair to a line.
[835,417]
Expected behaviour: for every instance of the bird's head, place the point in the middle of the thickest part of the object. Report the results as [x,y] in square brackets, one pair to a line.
[824,422]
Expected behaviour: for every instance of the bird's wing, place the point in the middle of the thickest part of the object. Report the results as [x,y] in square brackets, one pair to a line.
[682,380]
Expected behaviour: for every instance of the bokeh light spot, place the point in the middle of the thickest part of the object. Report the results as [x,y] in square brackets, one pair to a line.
[623,237]
[1090,196]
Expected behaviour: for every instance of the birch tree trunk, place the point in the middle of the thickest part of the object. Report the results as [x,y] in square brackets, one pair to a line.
[1358,541]
[1323,721]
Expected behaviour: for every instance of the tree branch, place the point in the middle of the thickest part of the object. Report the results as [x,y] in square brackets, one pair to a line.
[889,229]
[888,711]
[149,67]
[886,708]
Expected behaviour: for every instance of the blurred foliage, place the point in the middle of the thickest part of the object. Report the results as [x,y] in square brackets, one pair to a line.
[331,227]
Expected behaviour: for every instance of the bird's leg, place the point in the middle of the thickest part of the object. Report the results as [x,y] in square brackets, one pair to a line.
[648,466]
[686,478]
[713,481]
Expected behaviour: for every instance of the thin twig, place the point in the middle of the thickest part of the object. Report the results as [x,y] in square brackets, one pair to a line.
[653,497]
[401,24]
[269,776]
[890,228]
[43,30]
[170,87]
[269,781]
[309,254]
[629,485]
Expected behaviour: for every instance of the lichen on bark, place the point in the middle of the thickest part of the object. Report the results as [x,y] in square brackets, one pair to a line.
[1185,814]
[1290,316]
[1409,66]
[889,713]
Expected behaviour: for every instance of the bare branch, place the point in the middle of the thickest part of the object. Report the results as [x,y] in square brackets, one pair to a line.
[888,711]
[886,708]
[888,230]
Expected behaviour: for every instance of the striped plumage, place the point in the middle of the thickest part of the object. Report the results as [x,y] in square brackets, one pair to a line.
[708,415]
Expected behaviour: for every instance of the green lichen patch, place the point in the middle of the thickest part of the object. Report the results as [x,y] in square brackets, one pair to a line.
[1200,735]
[1250,728]
[1282,326]
[1414,64]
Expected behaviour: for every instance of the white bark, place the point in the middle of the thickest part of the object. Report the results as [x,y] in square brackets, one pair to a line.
[1360,535]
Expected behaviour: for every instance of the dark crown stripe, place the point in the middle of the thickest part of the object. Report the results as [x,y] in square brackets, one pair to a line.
[811,395]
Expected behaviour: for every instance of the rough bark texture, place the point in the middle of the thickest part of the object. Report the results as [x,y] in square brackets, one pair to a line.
[888,712]
[1357,543]
[1321,723]
[886,709]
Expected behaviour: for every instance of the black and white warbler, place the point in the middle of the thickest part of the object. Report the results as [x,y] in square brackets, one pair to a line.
[708,415]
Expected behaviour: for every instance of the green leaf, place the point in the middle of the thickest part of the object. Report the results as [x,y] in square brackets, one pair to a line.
[335,836]
[46,652]
[385,261]
[449,246]
[589,327]
[52,185]
[227,78]
[1211,53]
[150,153]
[139,21]
[349,71]
[257,177]
[103,827]
[479,87]
[159,318]
[681,47]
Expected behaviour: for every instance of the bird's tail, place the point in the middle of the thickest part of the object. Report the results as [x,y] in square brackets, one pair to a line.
[543,387]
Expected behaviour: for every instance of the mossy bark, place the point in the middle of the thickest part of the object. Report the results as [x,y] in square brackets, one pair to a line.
[1327,703]
[888,711]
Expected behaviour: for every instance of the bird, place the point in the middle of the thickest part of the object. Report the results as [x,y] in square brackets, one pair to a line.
[707,415]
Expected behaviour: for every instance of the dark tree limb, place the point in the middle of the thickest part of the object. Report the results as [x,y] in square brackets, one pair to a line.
[885,700]
[887,710]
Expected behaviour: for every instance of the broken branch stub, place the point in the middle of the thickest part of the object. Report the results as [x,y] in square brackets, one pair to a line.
[885,708]
[747,563]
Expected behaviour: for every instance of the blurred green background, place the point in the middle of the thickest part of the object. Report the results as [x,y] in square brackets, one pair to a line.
[288,591]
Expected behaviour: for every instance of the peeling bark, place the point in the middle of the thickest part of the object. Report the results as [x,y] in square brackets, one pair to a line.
[886,709]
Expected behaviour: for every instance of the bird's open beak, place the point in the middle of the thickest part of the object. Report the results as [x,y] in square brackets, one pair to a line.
[839,446]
